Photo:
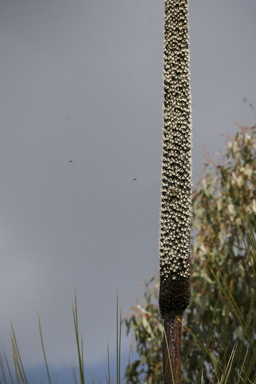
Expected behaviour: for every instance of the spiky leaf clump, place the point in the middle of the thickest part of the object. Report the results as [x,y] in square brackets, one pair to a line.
[174,247]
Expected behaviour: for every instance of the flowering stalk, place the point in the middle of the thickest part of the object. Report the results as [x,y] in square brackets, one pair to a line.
[174,243]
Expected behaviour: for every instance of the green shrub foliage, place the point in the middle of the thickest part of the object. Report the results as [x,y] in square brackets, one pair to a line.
[218,199]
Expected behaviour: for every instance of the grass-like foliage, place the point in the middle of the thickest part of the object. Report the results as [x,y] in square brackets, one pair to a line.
[19,370]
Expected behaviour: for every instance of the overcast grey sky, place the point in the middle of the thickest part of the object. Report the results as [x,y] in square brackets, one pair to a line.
[82,80]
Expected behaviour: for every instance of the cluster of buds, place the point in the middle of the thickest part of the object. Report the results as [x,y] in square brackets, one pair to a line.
[175,221]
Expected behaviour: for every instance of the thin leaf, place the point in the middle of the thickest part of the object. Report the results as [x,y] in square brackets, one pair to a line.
[42,343]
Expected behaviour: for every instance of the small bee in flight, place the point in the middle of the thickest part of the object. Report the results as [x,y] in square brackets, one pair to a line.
[71,161]
[135,178]
[173,190]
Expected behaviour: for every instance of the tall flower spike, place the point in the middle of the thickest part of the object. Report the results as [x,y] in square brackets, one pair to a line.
[174,242]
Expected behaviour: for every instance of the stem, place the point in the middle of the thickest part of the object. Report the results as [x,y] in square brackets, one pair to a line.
[171,348]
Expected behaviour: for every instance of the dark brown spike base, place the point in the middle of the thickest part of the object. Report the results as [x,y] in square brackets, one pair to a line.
[174,295]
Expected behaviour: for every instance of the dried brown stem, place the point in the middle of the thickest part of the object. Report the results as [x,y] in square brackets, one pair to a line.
[171,348]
